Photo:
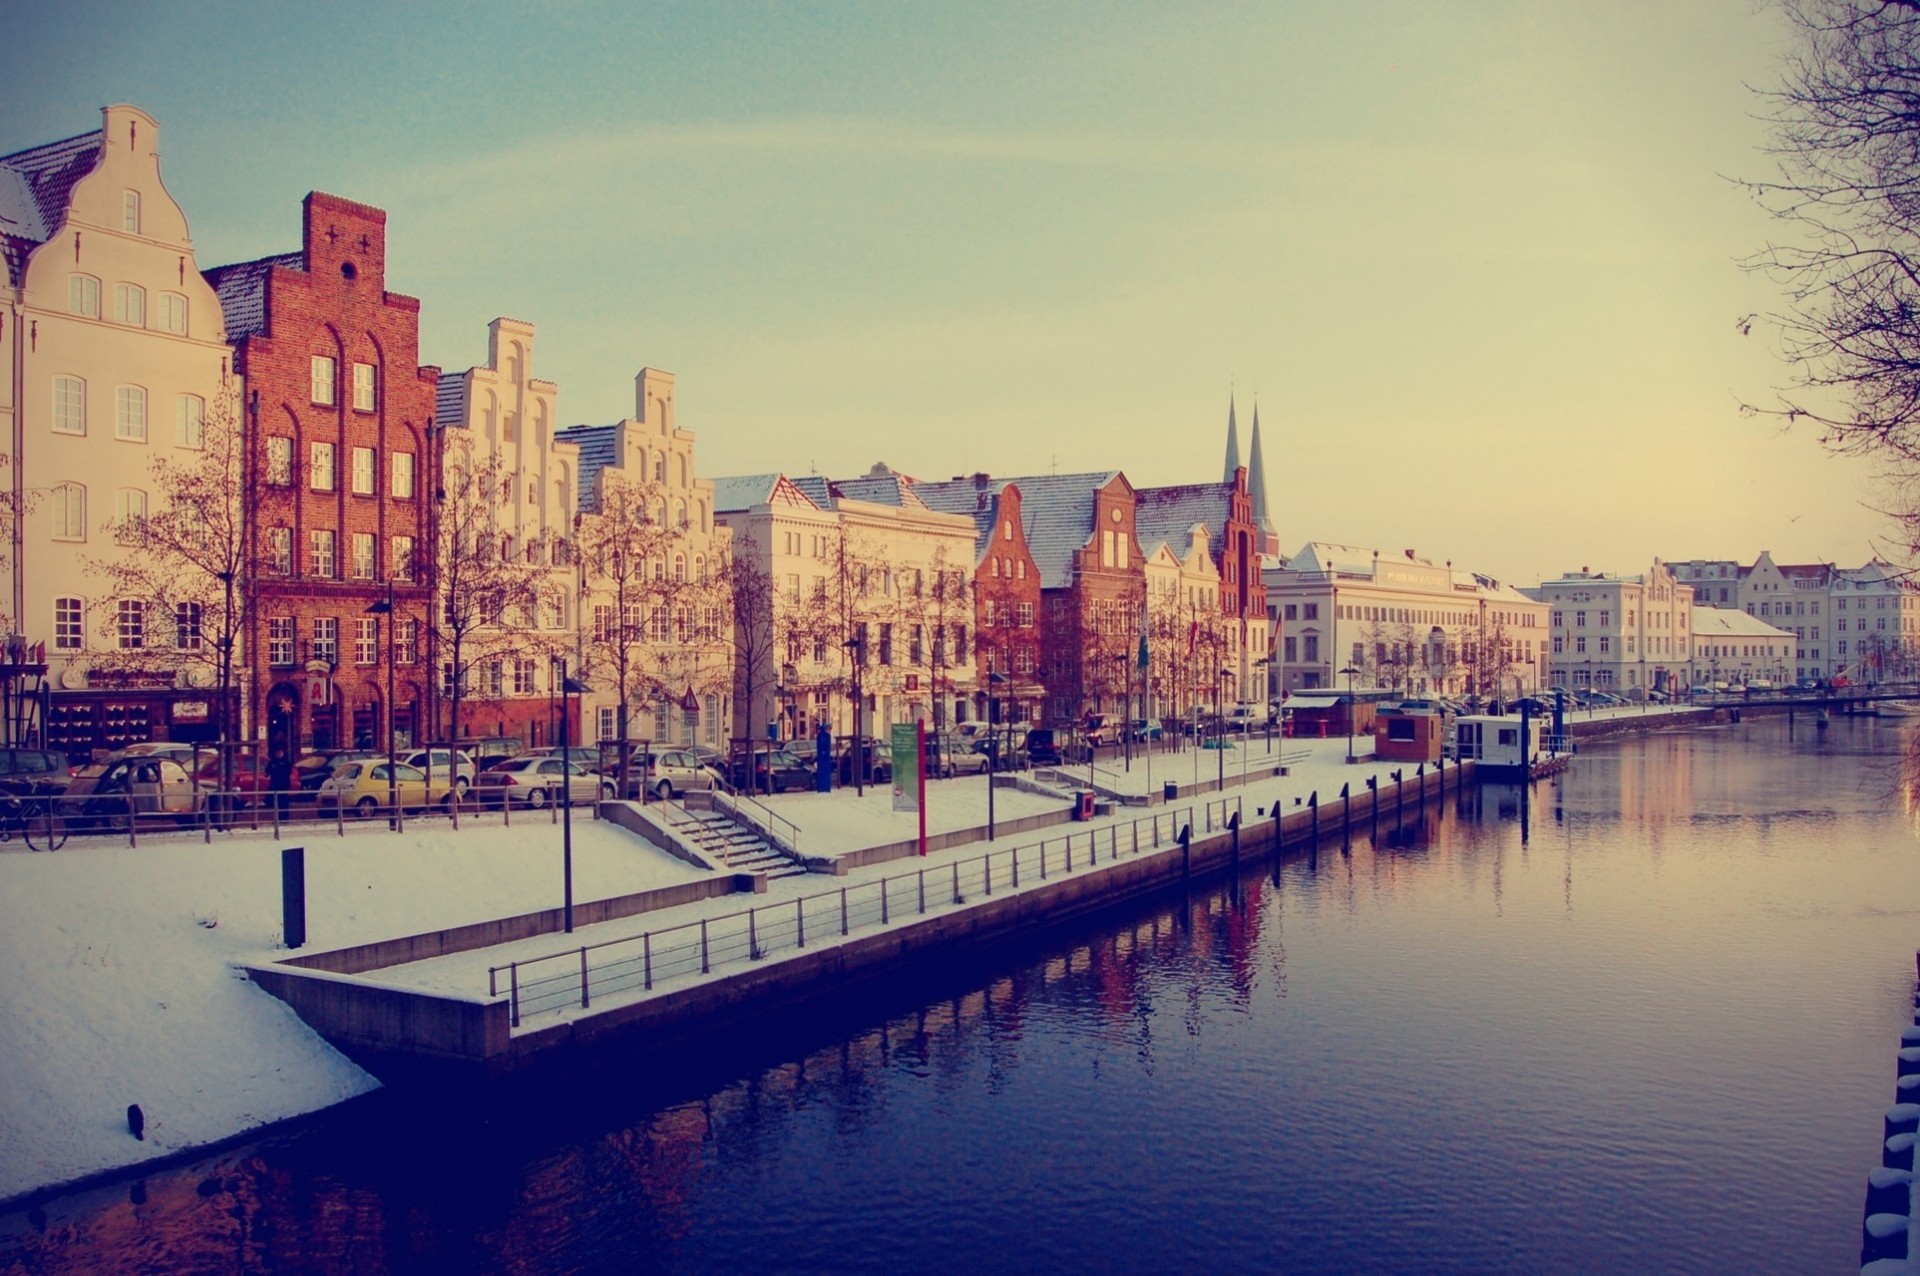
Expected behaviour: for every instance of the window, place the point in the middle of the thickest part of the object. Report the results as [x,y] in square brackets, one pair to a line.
[493,679]
[173,313]
[602,622]
[1580,645]
[280,640]
[70,512]
[363,471]
[366,640]
[322,390]
[320,546]
[406,642]
[130,212]
[1310,611]
[1292,650]
[190,421]
[279,460]
[402,566]
[130,305]
[186,626]
[1606,644]
[69,624]
[1026,615]
[69,405]
[523,677]
[320,466]
[609,725]
[129,510]
[130,418]
[363,555]
[326,639]
[363,387]
[400,471]
[131,628]
[83,296]
[280,551]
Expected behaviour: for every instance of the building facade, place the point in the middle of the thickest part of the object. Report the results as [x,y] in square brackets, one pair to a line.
[341,467]
[1736,650]
[1402,622]
[116,358]
[1626,634]
[500,421]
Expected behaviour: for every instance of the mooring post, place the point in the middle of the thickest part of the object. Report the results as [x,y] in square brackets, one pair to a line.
[1186,849]
[1313,806]
[1399,795]
[1346,808]
[1373,806]
[293,895]
[586,1001]
[1233,827]
[646,957]
[513,990]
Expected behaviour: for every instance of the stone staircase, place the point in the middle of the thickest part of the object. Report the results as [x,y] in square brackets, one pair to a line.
[740,848]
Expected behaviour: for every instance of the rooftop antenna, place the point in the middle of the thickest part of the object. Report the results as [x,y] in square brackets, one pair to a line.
[1055,462]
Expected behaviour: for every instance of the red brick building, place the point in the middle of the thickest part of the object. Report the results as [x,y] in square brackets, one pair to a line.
[1006,591]
[340,462]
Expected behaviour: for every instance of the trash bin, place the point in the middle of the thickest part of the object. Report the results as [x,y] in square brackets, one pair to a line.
[1083,806]
[1170,791]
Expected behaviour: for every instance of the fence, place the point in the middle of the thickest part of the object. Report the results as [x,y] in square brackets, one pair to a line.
[47,821]
[574,976]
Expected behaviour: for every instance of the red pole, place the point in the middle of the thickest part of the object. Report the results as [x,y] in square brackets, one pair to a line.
[920,776]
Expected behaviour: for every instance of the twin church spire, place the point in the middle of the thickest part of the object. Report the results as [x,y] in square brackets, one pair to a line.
[1256,473]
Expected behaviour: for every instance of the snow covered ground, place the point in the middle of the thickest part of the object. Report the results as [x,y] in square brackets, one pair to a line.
[119,986]
[832,824]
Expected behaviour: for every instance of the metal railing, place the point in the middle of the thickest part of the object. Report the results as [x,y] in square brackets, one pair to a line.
[122,816]
[777,829]
[574,976]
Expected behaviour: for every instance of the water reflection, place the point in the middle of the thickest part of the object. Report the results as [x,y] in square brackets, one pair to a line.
[1658,1020]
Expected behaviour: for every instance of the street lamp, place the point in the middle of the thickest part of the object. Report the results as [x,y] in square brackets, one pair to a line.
[568,687]
[996,680]
[858,646]
[1349,671]
[384,607]
[1220,720]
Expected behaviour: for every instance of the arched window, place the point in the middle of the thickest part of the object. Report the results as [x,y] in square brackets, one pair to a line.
[129,510]
[700,568]
[679,567]
[70,512]
[682,463]
[660,468]
[490,417]
[680,514]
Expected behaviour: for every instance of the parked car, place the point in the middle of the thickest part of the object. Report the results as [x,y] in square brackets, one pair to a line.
[440,760]
[240,782]
[534,782]
[950,756]
[1044,746]
[311,771]
[142,785]
[669,773]
[1100,729]
[33,771]
[879,760]
[1009,755]
[775,769]
[1144,730]
[364,787]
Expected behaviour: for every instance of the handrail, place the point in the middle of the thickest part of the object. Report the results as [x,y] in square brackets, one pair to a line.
[751,934]
[790,843]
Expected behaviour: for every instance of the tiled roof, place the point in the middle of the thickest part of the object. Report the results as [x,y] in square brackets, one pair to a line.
[1166,515]
[450,401]
[880,489]
[242,289]
[817,489]
[964,496]
[599,447]
[37,204]
[742,492]
[1057,510]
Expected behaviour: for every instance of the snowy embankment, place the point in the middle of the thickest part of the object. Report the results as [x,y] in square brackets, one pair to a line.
[120,987]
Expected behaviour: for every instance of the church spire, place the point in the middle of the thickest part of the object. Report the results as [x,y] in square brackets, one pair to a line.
[1233,444]
[1257,485]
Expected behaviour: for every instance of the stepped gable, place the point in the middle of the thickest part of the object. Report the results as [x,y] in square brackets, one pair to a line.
[1057,510]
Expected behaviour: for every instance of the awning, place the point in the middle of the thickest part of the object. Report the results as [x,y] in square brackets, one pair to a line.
[1311,702]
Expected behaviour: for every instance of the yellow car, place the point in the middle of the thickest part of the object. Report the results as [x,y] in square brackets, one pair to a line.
[364,787]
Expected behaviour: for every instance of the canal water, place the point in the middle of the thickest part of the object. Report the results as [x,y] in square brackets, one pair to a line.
[1654,1032]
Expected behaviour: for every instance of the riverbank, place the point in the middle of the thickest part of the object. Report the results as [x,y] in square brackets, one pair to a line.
[125,981]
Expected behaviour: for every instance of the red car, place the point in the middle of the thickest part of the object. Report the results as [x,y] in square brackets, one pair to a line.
[243,779]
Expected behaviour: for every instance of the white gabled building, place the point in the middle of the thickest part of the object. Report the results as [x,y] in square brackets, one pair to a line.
[1621,634]
[1740,650]
[1401,621]
[116,354]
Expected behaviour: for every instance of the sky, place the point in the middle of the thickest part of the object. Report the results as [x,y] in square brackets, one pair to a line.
[1476,262]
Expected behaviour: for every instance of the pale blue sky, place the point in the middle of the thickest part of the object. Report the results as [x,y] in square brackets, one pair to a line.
[1476,259]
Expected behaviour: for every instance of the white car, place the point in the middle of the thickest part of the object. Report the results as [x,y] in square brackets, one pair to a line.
[671,772]
[535,782]
[436,761]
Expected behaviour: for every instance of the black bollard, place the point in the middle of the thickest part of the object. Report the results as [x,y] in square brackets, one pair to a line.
[1889,1191]
[1313,805]
[136,1122]
[1902,1118]
[1373,806]
[293,895]
[1186,849]
[1897,1153]
[1907,1062]
[1233,827]
[1883,1236]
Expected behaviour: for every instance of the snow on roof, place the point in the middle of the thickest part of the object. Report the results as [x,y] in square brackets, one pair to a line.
[742,491]
[1724,622]
[980,501]
[242,289]
[1166,516]
[1058,512]
[34,186]
[450,401]
[816,489]
[880,489]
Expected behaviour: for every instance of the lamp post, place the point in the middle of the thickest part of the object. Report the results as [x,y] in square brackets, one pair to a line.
[1265,663]
[996,680]
[858,646]
[1349,671]
[568,687]
[1220,722]
[384,607]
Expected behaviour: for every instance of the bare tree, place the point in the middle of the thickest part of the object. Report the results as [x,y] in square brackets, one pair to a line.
[487,596]
[1845,119]
[747,600]
[180,581]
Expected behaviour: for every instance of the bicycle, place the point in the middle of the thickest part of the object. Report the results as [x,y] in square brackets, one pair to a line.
[36,818]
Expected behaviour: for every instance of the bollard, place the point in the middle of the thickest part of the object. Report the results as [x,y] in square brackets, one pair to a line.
[1346,808]
[513,990]
[1902,1118]
[293,896]
[1907,1089]
[1889,1191]
[1233,827]
[1897,1153]
[1186,849]
[800,922]
[753,935]
[1883,1236]
[1313,805]
[646,958]
[706,966]
[1907,1062]
[586,1001]
[843,910]
[923,890]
